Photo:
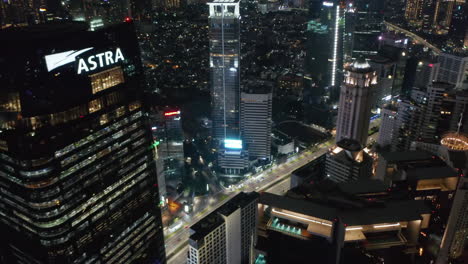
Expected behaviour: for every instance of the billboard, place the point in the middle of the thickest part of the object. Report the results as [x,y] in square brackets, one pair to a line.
[233,144]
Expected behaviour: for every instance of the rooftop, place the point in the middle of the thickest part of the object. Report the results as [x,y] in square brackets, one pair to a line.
[360,65]
[430,173]
[349,144]
[400,156]
[215,219]
[351,209]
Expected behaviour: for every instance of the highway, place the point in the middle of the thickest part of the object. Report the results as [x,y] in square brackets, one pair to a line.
[413,36]
[274,180]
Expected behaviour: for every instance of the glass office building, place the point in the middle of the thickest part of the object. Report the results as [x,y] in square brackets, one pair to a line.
[77,173]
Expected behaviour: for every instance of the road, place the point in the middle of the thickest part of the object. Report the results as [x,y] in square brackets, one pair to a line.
[275,180]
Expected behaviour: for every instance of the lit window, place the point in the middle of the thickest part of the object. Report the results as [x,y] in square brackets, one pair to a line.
[106,79]
[95,105]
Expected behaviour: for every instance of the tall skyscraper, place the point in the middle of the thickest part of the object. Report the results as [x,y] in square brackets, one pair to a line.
[228,234]
[224,67]
[364,24]
[324,45]
[256,111]
[168,143]
[356,98]
[77,174]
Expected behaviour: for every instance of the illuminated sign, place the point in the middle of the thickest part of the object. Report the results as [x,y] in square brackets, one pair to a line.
[56,60]
[233,144]
[172,113]
[100,60]
[90,63]
[327,3]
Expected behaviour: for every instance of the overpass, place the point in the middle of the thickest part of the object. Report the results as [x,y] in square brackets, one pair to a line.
[413,36]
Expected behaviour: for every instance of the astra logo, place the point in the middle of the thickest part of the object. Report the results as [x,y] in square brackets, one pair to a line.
[99,60]
[56,60]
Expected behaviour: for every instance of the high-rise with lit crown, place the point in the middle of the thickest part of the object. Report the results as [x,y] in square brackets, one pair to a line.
[224,67]
[77,173]
[356,98]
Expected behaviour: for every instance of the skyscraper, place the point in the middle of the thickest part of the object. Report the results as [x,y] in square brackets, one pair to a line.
[413,10]
[256,111]
[356,98]
[387,126]
[169,146]
[77,172]
[453,69]
[224,67]
[364,24]
[324,52]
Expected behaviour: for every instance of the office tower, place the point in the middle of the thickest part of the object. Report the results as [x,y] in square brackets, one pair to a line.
[337,223]
[364,23]
[455,236]
[453,69]
[233,157]
[324,46]
[427,15]
[227,234]
[413,10]
[347,161]
[168,137]
[77,169]
[387,125]
[426,72]
[407,124]
[356,97]
[256,110]
[385,70]
[428,115]
[458,26]
[224,68]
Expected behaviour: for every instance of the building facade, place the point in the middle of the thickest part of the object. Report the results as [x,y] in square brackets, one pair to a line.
[77,174]
[224,67]
[256,114]
[356,99]
[347,161]
[453,70]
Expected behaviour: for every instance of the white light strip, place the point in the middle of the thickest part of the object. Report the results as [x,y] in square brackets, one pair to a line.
[383,226]
[335,46]
[354,228]
[302,218]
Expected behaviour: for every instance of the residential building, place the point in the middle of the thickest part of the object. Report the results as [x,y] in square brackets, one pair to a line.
[453,69]
[227,235]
